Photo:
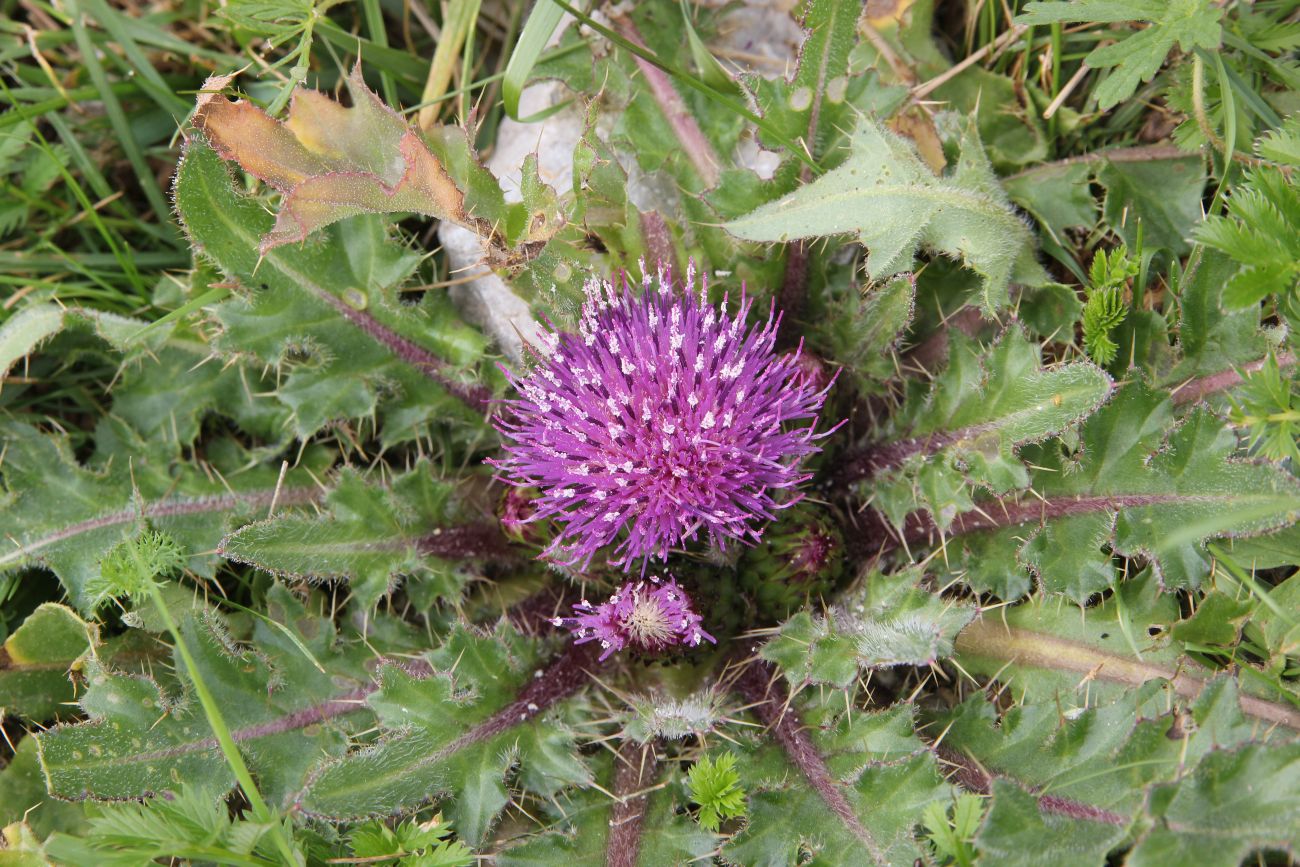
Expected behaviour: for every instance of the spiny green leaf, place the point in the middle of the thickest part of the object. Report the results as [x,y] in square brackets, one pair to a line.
[23,797]
[284,712]
[862,326]
[1096,757]
[815,103]
[166,384]
[35,661]
[577,823]
[66,517]
[458,731]
[1137,487]
[886,196]
[1019,832]
[890,621]
[1234,803]
[372,536]
[876,760]
[326,314]
[964,430]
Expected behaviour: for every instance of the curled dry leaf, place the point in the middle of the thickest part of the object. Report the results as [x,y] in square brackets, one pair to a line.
[329,160]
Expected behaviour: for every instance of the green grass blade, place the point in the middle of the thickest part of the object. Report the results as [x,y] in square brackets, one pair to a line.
[541,24]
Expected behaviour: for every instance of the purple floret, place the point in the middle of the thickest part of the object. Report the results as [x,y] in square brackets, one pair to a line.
[662,417]
[644,615]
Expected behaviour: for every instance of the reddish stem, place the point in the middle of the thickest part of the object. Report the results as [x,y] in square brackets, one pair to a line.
[466,542]
[635,766]
[1194,390]
[763,688]
[866,462]
[476,397]
[688,132]
[976,779]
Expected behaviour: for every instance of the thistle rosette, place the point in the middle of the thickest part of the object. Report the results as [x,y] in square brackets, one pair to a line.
[650,616]
[664,416]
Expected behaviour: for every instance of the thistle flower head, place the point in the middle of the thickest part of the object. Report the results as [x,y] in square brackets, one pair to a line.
[664,416]
[648,615]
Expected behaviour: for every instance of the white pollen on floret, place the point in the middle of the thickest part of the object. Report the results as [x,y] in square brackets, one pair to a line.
[581,470]
[669,429]
[708,421]
[692,400]
[685,623]
[720,342]
[740,396]
[627,367]
[667,445]
[731,371]
[699,363]
[727,419]
[679,473]
[566,493]
[627,466]
[625,398]
[614,430]
[621,482]
[708,320]
[611,404]
[612,340]
[675,316]
[600,495]
[611,517]
[675,339]
[555,621]
[654,318]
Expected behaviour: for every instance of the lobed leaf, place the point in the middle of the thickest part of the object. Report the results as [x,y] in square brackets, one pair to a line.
[284,712]
[66,517]
[330,161]
[890,621]
[458,732]
[1136,486]
[885,195]
[968,425]
[1136,58]
[327,314]
[371,536]
[878,764]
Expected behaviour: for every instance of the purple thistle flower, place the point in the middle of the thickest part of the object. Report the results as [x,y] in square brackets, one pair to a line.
[650,616]
[662,417]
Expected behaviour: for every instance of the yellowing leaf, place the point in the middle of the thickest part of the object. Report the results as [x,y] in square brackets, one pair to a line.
[329,160]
